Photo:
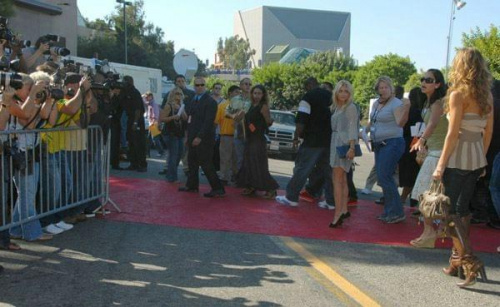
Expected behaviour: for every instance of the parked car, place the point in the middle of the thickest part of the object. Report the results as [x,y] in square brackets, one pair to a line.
[281,134]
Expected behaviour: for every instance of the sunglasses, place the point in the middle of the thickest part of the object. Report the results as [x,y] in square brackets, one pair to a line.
[200,85]
[427,80]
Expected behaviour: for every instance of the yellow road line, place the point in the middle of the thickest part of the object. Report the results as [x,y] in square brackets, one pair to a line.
[337,279]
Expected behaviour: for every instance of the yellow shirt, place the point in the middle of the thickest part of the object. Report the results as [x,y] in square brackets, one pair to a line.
[226,124]
[74,140]
[54,139]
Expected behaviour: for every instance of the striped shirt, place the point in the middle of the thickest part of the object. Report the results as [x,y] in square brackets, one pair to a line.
[469,153]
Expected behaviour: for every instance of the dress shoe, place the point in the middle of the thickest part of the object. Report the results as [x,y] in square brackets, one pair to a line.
[346,215]
[494,225]
[215,193]
[381,201]
[337,223]
[186,189]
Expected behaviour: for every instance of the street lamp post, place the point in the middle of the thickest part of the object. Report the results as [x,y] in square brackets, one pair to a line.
[125,3]
[455,5]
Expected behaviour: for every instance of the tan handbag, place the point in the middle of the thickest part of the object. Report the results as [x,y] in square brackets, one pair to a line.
[433,203]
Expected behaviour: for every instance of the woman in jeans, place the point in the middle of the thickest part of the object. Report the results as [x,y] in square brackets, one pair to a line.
[431,141]
[387,119]
[345,122]
[175,127]
[469,111]
[34,104]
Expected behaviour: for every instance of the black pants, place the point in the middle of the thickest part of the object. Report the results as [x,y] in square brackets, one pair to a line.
[137,147]
[114,155]
[201,156]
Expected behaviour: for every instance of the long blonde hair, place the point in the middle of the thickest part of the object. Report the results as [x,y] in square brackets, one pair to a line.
[171,95]
[335,94]
[470,76]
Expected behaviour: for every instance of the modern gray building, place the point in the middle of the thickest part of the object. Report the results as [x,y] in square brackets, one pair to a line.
[314,29]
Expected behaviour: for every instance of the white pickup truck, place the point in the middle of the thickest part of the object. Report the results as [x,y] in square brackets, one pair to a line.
[281,134]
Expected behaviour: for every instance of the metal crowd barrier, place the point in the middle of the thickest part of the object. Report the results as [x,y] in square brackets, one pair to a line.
[38,179]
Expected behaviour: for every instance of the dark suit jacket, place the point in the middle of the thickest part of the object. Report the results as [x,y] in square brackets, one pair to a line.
[201,117]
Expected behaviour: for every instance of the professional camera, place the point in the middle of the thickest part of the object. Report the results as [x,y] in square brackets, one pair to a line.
[51,39]
[6,65]
[12,79]
[53,92]
[113,82]
[5,33]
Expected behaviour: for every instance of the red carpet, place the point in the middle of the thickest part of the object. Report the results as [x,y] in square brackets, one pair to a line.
[159,202]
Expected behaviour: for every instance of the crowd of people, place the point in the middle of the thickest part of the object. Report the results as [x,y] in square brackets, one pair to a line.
[442,132]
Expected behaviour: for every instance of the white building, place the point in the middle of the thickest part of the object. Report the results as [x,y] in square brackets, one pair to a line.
[267,26]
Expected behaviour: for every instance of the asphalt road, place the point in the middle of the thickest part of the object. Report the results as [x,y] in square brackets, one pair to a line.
[106,263]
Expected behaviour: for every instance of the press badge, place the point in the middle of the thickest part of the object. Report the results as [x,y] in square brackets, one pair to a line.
[251,127]
[189,119]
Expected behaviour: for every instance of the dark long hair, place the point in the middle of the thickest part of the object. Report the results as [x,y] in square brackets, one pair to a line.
[417,98]
[440,92]
[265,97]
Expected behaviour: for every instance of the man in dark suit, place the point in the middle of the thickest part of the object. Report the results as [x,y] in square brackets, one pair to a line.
[131,101]
[201,140]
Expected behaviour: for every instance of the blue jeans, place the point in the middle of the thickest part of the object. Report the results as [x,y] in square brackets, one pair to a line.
[175,148]
[495,184]
[307,158]
[50,182]
[26,186]
[386,160]
[239,149]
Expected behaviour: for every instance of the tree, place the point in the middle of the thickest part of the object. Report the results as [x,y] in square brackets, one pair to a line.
[7,8]
[413,81]
[488,43]
[234,52]
[398,68]
[145,43]
[329,62]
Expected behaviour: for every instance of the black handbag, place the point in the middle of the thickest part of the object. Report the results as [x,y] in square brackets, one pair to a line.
[342,151]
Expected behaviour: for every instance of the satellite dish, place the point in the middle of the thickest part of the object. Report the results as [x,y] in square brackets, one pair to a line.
[186,63]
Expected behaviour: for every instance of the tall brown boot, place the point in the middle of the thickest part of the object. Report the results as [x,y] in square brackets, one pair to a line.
[470,264]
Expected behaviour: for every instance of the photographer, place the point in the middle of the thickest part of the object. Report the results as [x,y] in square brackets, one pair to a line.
[131,101]
[5,242]
[35,56]
[28,108]
[117,112]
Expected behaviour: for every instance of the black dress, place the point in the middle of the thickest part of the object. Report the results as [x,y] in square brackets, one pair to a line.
[254,172]
[408,166]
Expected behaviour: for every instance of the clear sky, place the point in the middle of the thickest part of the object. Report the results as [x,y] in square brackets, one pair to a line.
[415,28]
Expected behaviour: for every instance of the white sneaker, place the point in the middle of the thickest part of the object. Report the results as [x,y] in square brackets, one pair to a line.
[366,191]
[64,226]
[324,205]
[53,229]
[285,201]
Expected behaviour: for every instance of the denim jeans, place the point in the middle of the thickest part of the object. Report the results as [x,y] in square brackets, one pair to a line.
[239,148]
[175,148]
[495,183]
[459,186]
[50,183]
[307,158]
[4,234]
[26,186]
[386,160]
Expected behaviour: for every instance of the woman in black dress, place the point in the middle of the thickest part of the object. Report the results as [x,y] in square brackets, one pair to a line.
[254,174]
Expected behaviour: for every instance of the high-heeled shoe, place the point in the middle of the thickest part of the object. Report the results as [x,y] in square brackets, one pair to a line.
[248,192]
[425,242]
[270,194]
[473,267]
[337,223]
[455,267]
[346,215]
